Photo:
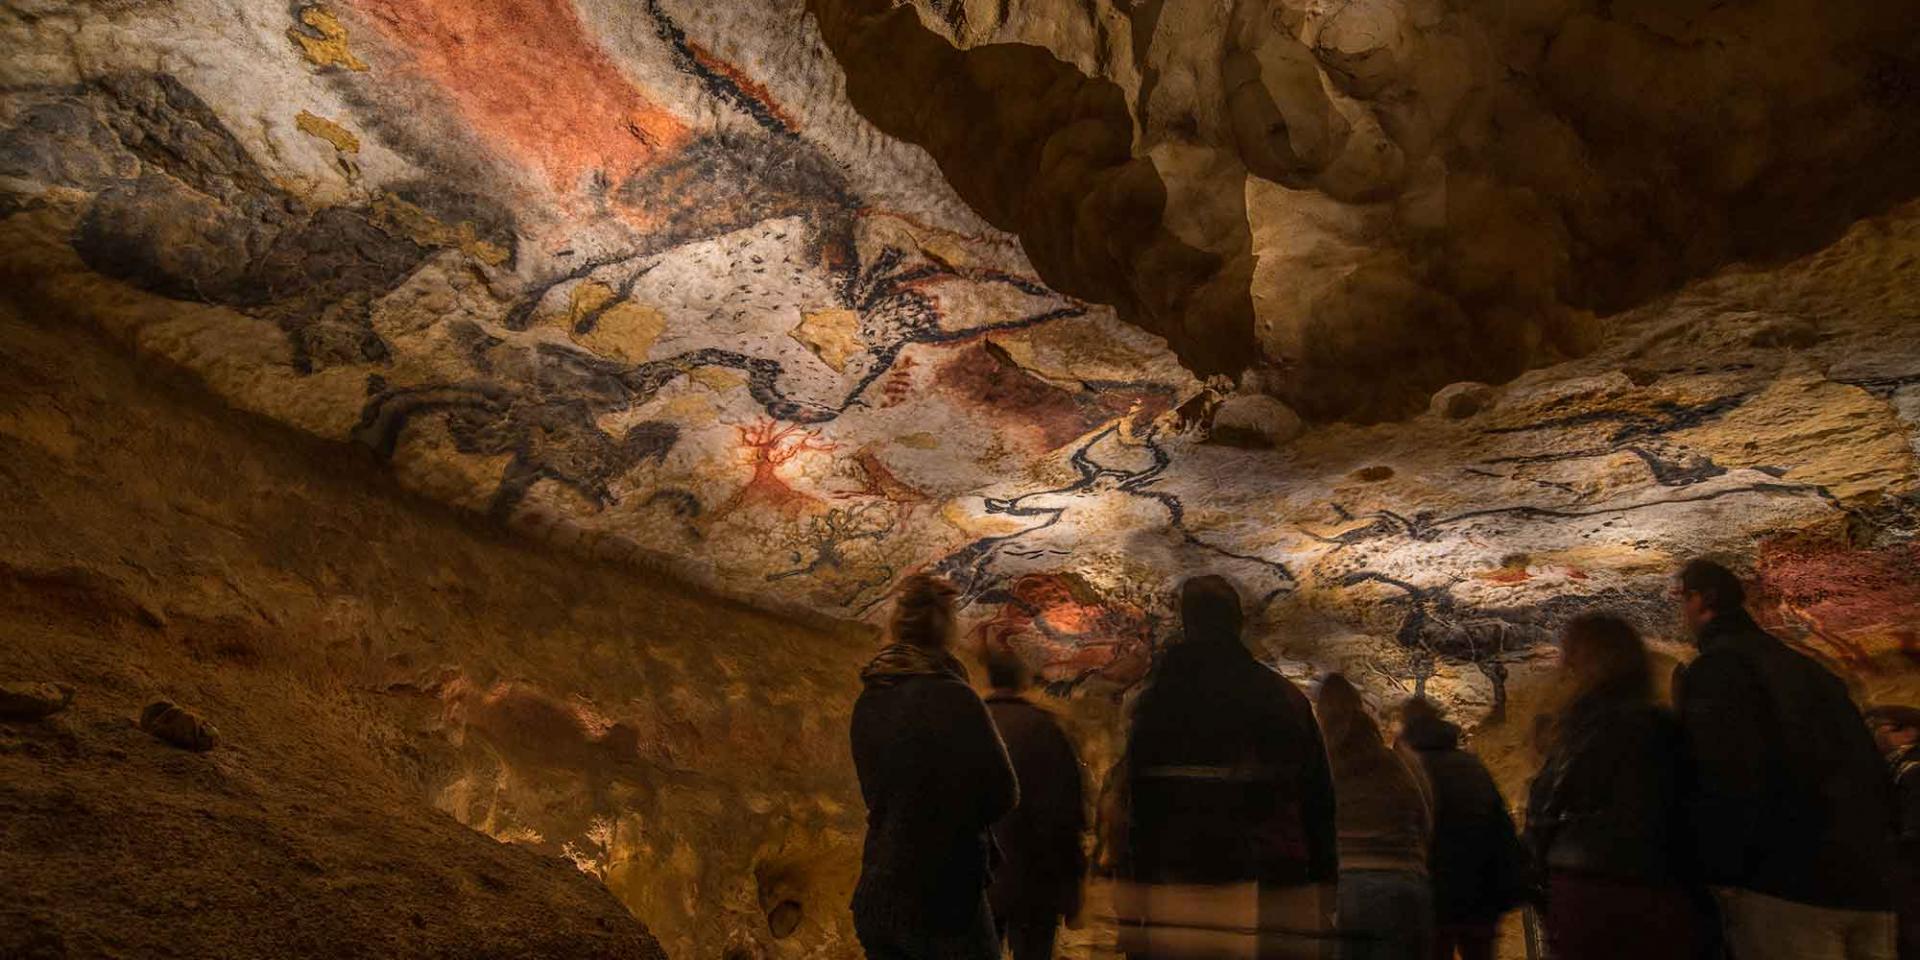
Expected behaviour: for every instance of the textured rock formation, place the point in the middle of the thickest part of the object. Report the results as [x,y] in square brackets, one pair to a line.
[1395,193]
[393,684]
[500,321]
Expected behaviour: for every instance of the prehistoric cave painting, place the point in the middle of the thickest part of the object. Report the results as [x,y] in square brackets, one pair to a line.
[974,566]
[1854,605]
[180,208]
[532,80]
[1074,631]
[823,548]
[768,447]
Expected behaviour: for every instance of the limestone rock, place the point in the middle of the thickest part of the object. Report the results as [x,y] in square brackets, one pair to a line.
[1458,401]
[30,701]
[1254,421]
[179,726]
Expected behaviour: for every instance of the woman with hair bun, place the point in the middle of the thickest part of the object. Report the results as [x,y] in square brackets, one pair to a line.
[935,777]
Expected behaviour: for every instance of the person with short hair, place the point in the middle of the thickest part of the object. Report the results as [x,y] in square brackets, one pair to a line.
[1606,822]
[1477,866]
[1040,880]
[935,777]
[1896,731]
[1225,807]
[1791,807]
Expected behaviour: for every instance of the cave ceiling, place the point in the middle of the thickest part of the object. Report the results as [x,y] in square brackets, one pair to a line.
[794,299]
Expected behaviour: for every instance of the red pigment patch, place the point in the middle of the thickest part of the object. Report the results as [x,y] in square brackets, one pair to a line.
[768,446]
[1507,575]
[747,85]
[985,377]
[527,76]
[1075,632]
[1856,604]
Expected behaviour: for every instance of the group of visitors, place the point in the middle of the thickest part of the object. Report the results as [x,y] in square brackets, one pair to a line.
[1760,817]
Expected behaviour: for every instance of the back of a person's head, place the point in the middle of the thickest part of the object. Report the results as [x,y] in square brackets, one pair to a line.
[1718,586]
[923,613]
[1350,730]
[1602,651]
[1210,610]
[1005,669]
[1421,722]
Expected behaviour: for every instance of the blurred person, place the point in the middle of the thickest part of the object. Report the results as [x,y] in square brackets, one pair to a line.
[935,776]
[1039,881]
[1476,863]
[1606,813]
[1224,803]
[1792,809]
[1385,905]
[1896,731]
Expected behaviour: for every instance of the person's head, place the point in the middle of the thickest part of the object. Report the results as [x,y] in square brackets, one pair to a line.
[1344,718]
[1420,719]
[1894,728]
[1005,670]
[1705,591]
[923,614]
[1210,610]
[1600,650]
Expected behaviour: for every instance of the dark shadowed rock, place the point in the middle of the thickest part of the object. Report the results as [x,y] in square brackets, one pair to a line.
[31,701]
[179,726]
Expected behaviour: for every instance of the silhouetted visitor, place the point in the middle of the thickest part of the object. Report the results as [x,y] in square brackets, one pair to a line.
[1896,731]
[1792,812]
[1476,863]
[1606,813]
[935,776]
[1040,880]
[1228,847]
[1385,903]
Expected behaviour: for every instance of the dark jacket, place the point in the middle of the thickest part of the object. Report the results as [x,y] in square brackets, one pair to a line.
[1477,864]
[1610,799]
[1792,799]
[1041,838]
[1227,779]
[1906,784]
[934,776]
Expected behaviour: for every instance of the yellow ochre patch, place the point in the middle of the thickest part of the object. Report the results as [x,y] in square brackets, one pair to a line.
[329,49]
[314,125]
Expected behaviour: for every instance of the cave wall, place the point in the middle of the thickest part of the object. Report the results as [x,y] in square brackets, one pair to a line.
[1374,198]
[786,301]
[369,656]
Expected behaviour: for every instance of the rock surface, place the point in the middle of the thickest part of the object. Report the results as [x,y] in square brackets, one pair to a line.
[179,726]
[438,739]
[786,301]
[31,701]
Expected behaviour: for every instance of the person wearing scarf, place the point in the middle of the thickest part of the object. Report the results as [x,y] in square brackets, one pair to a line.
[935,776]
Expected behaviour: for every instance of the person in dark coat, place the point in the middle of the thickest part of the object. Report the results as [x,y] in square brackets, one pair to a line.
[1228,838]
[1040,880]
[935,776]
[1792,810]
[1896,731]
[1477,865]
[1384,825]
[1606,819]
